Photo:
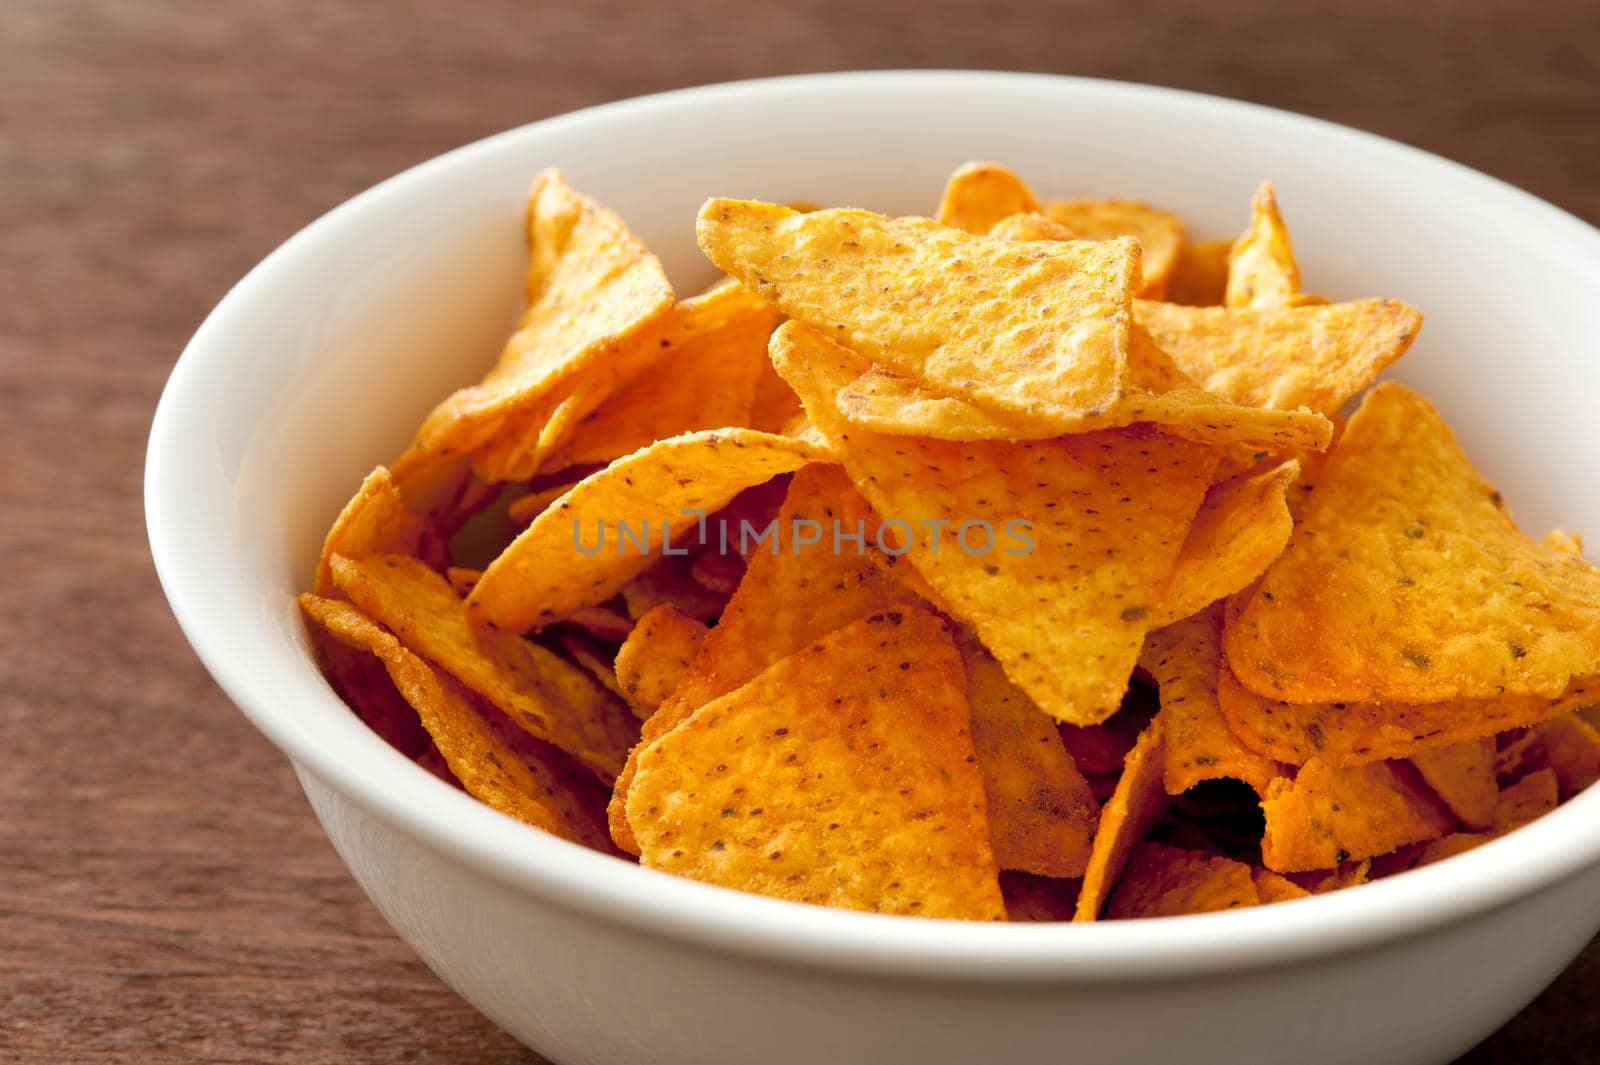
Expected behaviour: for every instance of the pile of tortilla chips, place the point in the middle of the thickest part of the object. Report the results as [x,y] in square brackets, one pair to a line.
[1020,563]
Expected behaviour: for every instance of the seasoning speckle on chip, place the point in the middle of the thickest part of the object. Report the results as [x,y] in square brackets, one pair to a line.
[1015,564]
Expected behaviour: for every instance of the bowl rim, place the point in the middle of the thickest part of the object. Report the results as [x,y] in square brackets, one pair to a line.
[413,802]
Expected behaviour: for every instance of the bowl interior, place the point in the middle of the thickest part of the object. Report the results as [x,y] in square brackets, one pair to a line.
[319,365]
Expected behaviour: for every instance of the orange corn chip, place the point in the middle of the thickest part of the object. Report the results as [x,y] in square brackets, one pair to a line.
[1406,580]
[1185,658]
[717,572]
[842,775]
[1241,527]
[1462,774]
[669,581]
[1271,887]
[1162,881]
[1351,733]
[1327,816]
[1037,329]
[375,521]
[524,509]
[1038,898]
[549,571]
[1066,632]
[1137,803]
[1041,814]
[594,663]
[1200,276]
[1030,227]
[602,623]
[980,194]
[1567,745]
[550,698]
[592,288]
[1160,233]
[786,600]
[462,579]
[516,775]
[657,654]
[1262,271]
[1562,540]
[1533,796]
[774,407]
[1320,882]
[705,380]
[1283,358]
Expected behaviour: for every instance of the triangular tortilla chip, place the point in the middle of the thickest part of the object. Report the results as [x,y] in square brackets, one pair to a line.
[1283,358]
[1355,732]
[1137,803]
[1038,898]
[980,194]
[1185,659]
[656,656]
[547,696]
[1274,888]
[1200,276]
[1030,226]
[704,380]
[1037,329]
[515,774]
[1162,881]
[1533,796]
[1327,816]
[376,521]
[1567,745]
[1067,630]
[592,286]
[1406,580]
[786,599]
[1041,814]
[1262,271]
[1161,234]
[1241,527]
[562,562]
[843,775]
[1462,775]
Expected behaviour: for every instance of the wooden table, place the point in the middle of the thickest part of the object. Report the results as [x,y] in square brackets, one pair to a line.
[164,890]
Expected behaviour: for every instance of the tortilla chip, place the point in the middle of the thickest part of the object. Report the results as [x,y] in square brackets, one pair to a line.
[1037,329]
[657,654]
[717,572]
[843,775]
[548,571]
[1160,233]
[594,663]
[1030,226]
[1406,580]
[1270,887]
[1200,276]
[531,781]
[1567,745]
[1066,632]
[1462,775]
[705,380]
[1322,881]
[1561,540]
[885,402]
[1283,358]
[462,579]
[786,600]
[1185,658]
[1262,271]
[524,509]
[1038,898]
[592,288]
[980,194]
[1531,797]
[375,521]
[1241,527]
[1355,732]
[602,623]
[1137,803]
[1162,881]
[669,581]
[1327,816]
[545,695]
[1041,814]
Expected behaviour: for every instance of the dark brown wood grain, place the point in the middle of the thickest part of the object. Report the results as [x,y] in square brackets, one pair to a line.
[164,891]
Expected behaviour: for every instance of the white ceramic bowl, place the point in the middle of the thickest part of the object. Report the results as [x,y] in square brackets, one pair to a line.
[321,361]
